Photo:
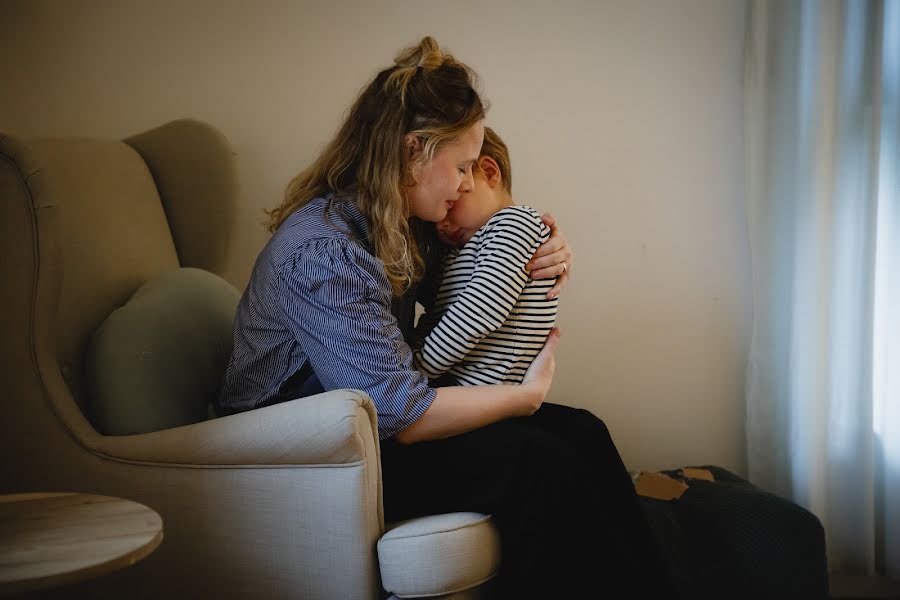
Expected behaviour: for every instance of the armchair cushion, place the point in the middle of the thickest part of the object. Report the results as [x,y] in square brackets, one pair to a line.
[157,362]
[439,554]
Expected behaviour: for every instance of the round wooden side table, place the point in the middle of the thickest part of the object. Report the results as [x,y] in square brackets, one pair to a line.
[48,540]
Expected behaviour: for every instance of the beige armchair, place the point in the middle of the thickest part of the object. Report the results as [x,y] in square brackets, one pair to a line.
[280,502]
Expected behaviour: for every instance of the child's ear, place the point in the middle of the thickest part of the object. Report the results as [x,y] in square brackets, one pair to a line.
[491,171]
[413,145]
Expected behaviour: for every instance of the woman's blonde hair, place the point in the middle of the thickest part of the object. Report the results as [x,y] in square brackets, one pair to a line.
[426,93]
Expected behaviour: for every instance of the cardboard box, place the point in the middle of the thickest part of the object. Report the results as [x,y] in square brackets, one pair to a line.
[659,486]
[665,487]
[692,473]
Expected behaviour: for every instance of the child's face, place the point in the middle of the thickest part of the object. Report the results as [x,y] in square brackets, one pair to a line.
[471,212]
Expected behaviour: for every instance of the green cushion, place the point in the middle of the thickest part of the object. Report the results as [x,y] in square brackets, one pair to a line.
[157,362]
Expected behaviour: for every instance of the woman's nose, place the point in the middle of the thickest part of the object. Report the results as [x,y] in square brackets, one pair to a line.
[468,182]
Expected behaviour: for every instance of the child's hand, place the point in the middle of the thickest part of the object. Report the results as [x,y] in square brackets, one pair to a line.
[553,258]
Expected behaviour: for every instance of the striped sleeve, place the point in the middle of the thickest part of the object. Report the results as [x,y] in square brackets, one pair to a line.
[505,245]
[335,298]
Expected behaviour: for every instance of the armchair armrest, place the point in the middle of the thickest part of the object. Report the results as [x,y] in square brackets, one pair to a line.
[332,428]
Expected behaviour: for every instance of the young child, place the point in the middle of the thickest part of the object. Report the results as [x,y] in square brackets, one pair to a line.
[490,319]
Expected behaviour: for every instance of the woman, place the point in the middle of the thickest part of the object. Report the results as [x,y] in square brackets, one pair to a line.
[333,292]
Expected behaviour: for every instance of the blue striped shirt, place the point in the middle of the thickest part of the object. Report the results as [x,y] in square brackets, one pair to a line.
[318,315]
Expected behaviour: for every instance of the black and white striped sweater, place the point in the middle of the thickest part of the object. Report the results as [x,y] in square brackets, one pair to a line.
[490,319]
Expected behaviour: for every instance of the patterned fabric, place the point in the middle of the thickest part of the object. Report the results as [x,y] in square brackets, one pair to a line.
[490,319]
[317,315]
[730,539]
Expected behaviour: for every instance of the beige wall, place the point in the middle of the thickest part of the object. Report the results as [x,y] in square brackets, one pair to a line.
[624,121]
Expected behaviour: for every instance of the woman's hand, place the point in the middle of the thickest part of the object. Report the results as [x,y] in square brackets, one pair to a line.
[539,375]
[457,409]
[553,258]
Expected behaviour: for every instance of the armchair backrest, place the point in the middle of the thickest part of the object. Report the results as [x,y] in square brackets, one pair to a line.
[86,222]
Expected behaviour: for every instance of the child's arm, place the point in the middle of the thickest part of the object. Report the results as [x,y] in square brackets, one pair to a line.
[508,242]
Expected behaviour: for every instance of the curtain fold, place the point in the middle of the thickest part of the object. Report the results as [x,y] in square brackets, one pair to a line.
[823,390]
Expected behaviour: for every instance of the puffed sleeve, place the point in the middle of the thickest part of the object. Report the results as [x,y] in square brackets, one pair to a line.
[336,299]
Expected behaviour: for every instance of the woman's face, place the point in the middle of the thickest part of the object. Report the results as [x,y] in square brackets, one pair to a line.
[449,174]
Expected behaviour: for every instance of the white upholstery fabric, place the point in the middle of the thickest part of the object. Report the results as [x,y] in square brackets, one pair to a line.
[280,502]
[478,593]
[440,554]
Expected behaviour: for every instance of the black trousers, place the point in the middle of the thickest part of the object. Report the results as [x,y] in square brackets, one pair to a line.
[569,519]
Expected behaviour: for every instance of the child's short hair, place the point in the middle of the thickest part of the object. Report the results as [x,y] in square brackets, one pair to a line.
[495,148]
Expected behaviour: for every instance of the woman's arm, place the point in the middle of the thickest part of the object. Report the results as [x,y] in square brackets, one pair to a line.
[458,409]
[335,299]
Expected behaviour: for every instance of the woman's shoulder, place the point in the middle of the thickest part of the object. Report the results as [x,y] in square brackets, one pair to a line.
[321,226]
[311,221]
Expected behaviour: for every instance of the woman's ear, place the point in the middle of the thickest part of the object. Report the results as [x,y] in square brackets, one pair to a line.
[414,148]
[491,171]
[413,144]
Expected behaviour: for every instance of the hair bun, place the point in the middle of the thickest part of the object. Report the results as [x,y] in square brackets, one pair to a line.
[427,55]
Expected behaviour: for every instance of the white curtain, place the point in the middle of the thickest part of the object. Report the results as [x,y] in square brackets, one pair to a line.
[823,189]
